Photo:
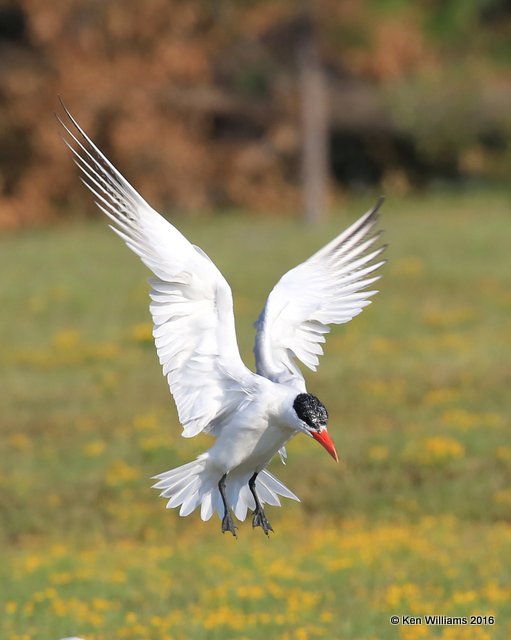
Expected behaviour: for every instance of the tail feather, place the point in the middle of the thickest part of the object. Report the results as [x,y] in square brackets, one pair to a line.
[206,510]
[193,498]
[195,484]
[180,495]
[245,501]
[178,471]
[232,491]
[218,506]
[265,494]
[177,486]
[275,485]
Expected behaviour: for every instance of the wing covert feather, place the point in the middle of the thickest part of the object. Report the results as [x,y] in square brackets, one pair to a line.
[191,302]
[328,288]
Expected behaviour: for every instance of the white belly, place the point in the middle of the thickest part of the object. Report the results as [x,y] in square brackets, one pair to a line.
[246,445]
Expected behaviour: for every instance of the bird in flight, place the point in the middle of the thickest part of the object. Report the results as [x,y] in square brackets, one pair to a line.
[251,415]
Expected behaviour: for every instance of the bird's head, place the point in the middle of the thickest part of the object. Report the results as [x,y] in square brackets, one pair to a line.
[313,420]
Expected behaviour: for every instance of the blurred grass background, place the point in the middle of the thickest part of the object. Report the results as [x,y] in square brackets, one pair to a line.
[236,119]
[414,520]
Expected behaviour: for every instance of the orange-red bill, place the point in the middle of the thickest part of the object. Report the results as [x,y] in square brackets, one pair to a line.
[326,441]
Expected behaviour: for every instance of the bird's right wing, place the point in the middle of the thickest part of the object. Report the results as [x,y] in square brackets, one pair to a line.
[191,301]
[328,288]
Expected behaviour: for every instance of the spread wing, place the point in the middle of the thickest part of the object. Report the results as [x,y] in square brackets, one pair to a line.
[329,288]
[191,302]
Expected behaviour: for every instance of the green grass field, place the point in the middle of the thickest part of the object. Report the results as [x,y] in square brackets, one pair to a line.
[415,520]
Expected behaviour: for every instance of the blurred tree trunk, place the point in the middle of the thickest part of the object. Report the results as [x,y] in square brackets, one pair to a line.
[314,124]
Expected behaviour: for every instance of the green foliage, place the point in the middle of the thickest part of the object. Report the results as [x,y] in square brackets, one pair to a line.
[449,116]
[454,19]
[201,103]
[415,519]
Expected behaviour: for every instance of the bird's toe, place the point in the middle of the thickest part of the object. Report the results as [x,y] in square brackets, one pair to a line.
[260,520]
[228,525]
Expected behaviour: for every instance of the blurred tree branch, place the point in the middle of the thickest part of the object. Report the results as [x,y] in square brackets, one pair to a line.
[314,121]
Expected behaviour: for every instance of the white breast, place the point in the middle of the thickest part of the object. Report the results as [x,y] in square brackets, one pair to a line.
[254,434]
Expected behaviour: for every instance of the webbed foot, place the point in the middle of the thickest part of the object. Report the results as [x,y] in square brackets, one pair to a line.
[228,524]
[260,520]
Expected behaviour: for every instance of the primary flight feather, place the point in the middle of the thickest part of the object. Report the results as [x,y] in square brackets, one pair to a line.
[251,415]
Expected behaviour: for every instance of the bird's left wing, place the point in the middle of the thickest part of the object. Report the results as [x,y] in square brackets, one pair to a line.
[191,301]
[328,288]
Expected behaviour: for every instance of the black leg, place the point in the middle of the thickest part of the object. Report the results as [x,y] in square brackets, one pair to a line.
[227,522]
[259,519]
